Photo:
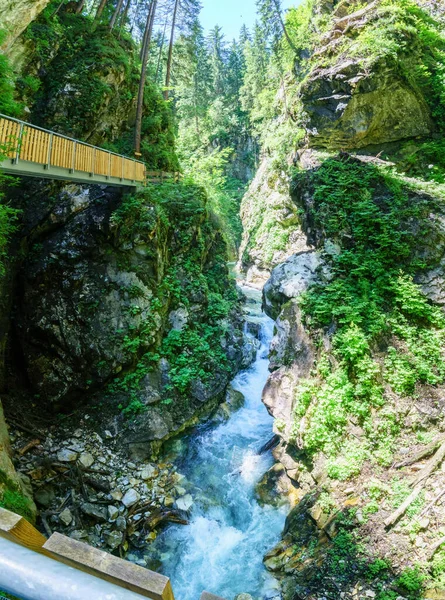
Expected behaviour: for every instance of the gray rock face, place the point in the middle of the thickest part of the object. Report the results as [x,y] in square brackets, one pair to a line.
[348,108]
[271,225]
[355,101]
[289,280]
[16,15]
[90,308]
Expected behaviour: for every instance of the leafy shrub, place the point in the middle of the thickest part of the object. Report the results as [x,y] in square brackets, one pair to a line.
[368,299]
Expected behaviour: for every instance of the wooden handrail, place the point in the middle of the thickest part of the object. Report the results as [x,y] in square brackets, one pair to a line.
[33,151]
[85,558]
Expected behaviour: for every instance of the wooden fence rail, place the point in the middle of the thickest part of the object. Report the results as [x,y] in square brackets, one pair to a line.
[37,152]
[82,557]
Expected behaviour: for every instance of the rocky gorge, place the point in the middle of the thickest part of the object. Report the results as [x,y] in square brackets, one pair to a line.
[134,367]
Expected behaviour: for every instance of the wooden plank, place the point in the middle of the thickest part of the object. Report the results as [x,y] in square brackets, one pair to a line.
[19,530]
[101,564]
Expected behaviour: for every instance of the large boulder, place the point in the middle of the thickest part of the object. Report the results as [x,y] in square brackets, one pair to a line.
[289,280]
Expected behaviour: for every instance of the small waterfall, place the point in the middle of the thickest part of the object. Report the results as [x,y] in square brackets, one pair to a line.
[222,548]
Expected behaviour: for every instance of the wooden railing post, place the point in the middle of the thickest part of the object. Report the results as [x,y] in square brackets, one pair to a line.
[50,149]
[73,167]
[19,143]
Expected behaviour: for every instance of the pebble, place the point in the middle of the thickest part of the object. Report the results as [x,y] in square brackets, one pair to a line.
[86,459]
[113,512]
[108,435]
[116,495]
[130,498]
[66,516]
[185,503]
[92,510]
[66,455]
[114,539]
[148,472]
[121,524]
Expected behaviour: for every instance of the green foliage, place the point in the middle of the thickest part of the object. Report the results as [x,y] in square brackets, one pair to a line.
[8,104]
[89,73]
[16,502]
[177,215]
[369,300]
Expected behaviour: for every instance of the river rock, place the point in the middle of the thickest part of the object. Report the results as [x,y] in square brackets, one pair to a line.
[86,459]
[274,486]
[116,495]
[130,498]
[113,512]
[148,472]
[185,502]
[114,539]
[66,516]
[121,524]
[96,512]
[67,455]
[45,495]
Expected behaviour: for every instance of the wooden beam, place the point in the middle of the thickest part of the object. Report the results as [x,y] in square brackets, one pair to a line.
[101,564]
[17,529]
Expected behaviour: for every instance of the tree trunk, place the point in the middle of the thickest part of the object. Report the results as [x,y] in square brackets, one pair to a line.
[160,51]
[116,14]
[143,79]
[170,51]
[100,9]
[289,41]
[146,30]
[124,14]
[80,6]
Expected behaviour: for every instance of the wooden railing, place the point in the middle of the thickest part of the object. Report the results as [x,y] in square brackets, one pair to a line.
[77,555]
[37,152]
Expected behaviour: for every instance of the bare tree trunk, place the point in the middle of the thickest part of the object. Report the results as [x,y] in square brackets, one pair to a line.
[286,34]
[58,8]
[146,30]
[143,79]
[100,9]
[160,50]
[116,14]
[80,6]
[125,14]
[170,51]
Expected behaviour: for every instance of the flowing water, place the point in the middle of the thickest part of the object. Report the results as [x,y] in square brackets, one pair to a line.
[222,548]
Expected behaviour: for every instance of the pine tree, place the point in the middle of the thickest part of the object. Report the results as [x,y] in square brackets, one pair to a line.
[218,54]
[185,13]
[270,12]
[143,78]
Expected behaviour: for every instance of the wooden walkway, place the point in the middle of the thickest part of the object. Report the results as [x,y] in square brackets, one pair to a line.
[36,152]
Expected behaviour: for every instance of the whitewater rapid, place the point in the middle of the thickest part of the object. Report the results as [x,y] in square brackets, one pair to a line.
[222,549]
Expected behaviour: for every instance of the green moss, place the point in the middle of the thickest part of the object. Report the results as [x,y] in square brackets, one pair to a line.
[16,502]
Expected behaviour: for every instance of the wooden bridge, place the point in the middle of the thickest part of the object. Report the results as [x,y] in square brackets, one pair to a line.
[37,152]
